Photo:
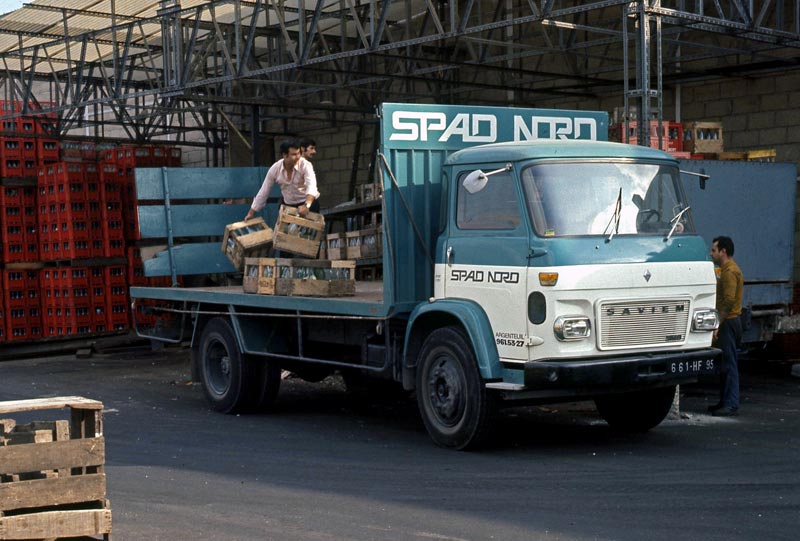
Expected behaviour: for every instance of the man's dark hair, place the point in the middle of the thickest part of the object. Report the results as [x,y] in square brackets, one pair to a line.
[289,143]
[725,243]
[307,142]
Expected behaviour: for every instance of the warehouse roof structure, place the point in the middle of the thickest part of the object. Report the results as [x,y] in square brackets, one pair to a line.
[170,68]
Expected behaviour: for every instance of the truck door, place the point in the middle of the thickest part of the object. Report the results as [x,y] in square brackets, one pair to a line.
[486,255]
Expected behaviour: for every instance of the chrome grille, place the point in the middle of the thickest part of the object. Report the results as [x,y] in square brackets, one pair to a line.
[650,322]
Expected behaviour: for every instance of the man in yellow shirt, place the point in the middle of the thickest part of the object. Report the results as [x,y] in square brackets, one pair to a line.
[730,285]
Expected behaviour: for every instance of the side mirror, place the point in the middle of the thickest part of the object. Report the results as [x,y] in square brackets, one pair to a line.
[475,181]
[701,175]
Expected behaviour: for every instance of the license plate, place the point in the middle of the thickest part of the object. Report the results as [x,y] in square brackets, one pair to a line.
[692,367]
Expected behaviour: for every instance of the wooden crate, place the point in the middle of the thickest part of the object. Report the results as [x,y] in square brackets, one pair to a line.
[250,238]
[298,235]
[336,246]
[370,192]
[299,277]
[353,241]
[702,137]
[52,480]
[371,242]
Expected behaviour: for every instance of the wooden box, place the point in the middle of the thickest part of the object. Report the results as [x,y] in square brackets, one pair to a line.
[337,246]
[299,277]
[298,235]
[371,242]
[702,137]
[370,192]
[52,480]
[251,238]
[353,241]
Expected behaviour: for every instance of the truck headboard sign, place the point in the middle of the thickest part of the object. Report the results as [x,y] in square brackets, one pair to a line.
[457,126]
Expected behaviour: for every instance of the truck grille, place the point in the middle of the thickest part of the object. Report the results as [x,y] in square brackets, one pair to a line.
[650,322]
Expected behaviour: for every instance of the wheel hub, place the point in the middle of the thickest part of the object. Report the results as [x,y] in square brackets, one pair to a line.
[446,392]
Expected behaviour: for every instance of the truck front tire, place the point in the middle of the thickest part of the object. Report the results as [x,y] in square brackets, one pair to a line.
[233,382]
[638,411]
[455,406]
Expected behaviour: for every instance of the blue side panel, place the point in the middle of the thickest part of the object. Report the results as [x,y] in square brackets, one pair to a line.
[754,204]
[418,175]
[199,183]
[189,220]
[196,258]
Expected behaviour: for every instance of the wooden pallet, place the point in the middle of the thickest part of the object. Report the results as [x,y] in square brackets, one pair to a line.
[52,479]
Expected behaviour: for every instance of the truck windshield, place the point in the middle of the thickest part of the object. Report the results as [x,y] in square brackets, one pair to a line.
[584,198]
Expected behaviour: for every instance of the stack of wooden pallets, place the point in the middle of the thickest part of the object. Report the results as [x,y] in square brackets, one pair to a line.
[52,480]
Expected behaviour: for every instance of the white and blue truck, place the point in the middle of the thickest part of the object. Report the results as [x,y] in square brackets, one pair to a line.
[525,261]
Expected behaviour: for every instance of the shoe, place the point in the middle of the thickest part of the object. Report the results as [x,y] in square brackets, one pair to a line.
[715,407]
[725,412]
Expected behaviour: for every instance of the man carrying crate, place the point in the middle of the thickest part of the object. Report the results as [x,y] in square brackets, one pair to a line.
[296,178]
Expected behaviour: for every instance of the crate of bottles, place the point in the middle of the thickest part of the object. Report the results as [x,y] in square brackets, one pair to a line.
[299,277]
[297,234]
[371,242]
[336,246]
[702,137]
[250,238]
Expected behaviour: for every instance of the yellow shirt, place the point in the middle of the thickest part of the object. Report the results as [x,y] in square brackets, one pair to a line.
[729,290]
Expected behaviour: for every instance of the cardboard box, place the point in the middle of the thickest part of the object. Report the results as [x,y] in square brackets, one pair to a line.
[702,137]
[251,238]
[298,235]
[299,277]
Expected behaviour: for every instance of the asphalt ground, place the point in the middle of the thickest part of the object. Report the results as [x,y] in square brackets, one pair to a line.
[327,466]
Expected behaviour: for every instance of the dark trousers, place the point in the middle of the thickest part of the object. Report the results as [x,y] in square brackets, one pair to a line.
[728,339]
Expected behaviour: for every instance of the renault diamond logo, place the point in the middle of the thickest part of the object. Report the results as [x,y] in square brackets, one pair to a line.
[647,276]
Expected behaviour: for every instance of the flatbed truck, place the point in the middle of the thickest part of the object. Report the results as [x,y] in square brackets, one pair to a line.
[525,260]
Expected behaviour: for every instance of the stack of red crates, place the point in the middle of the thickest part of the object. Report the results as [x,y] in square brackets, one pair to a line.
[21,304]
[671,134]
[147,310]
[74,301]
[20,239]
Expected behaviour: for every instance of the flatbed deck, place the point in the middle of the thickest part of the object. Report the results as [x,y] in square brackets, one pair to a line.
[368,300]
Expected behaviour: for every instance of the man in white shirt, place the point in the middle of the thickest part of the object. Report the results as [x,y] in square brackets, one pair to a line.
[296,178]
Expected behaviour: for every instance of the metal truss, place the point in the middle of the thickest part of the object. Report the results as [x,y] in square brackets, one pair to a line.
[166,68]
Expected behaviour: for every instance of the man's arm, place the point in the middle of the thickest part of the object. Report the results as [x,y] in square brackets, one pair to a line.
[263,193]
[727,295]
[310,177]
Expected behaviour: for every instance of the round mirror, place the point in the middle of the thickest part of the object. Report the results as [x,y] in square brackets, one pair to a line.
[475,181]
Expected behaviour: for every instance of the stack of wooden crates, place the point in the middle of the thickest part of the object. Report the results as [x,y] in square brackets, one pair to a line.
[52,480]
[362,239]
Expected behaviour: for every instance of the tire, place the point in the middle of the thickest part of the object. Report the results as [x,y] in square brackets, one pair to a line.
[232,382]
[636,412]
[455,406]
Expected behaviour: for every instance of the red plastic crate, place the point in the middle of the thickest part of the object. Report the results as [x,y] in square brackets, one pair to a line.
[671,134]
[11,148]
[47,151]
[11,167]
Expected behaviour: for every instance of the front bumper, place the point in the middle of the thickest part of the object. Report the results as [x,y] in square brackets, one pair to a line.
[621,373]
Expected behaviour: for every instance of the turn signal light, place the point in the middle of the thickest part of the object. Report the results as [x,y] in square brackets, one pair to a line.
[548,278]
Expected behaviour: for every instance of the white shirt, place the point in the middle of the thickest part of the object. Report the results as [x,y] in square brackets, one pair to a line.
[295,188]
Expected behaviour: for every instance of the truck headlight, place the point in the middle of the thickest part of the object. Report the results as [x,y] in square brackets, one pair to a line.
[572,328]
[705,320]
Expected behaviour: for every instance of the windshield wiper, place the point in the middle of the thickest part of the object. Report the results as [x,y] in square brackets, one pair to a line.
[675,221]
[615,218]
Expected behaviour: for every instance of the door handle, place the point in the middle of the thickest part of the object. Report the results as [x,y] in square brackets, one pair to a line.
[449,259]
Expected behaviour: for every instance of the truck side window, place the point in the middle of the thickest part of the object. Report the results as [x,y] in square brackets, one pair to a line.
[493,207]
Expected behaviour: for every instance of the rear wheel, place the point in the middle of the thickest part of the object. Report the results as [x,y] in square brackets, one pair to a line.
[232,382]
[455,406]
[636,412]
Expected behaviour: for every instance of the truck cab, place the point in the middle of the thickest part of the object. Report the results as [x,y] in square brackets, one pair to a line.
[582,259]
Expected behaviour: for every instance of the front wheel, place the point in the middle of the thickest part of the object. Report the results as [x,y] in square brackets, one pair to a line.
[638,411]
[455,406]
